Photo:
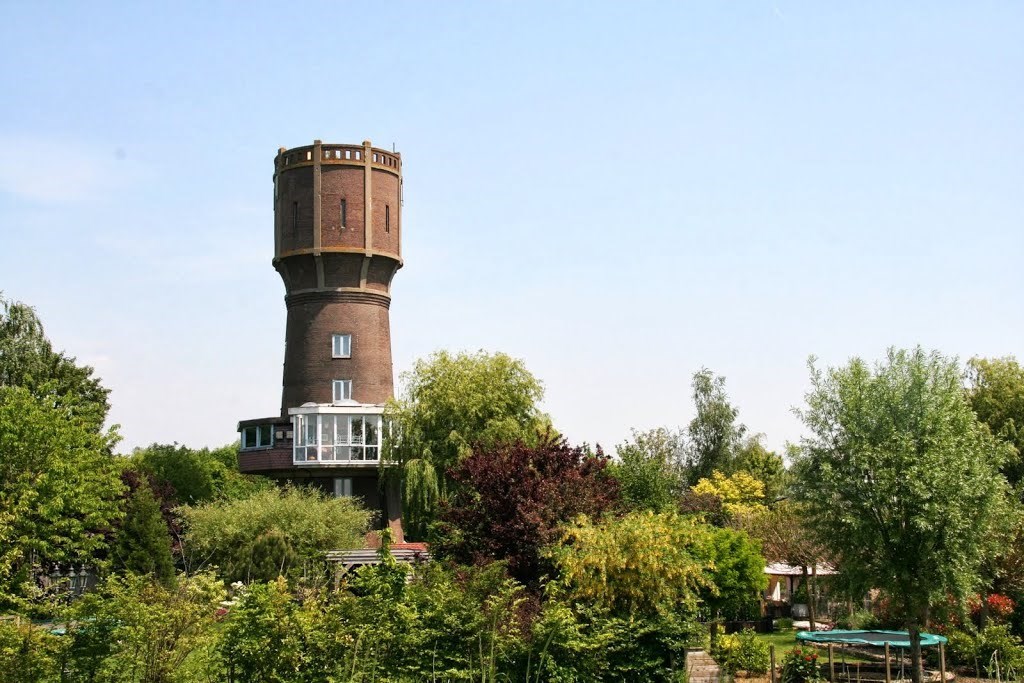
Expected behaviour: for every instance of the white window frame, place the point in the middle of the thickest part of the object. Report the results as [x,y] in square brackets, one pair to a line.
[263,430]
[338,438]
[345,344]
[343,487]
[341,390]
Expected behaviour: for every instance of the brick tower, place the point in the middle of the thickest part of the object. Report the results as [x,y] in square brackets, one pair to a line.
[337,245]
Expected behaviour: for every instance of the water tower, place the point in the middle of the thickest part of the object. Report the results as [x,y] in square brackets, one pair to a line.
[337,246]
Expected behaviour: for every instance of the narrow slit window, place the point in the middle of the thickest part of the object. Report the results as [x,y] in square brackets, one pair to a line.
[387,218]
[295,215]
[344,218]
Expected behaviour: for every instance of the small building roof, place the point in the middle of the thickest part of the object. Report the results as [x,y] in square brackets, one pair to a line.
[782,569]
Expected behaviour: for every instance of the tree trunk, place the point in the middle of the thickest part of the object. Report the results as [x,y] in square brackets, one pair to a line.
[916,665]
[983,611]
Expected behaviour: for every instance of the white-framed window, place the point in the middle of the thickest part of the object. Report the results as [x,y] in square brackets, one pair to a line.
[258,436]
[341,346]
[342,390]
[343,487]
[332,438]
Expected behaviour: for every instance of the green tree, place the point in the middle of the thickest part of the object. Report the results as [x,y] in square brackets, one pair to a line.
[714,435]
[901,479]
[60,493]
[741,494]
[648,470]
[764,465]
[135,630]
[29,654]
[787,537]
[143,544]
[266,534]
[737,574]
[451,403]
[638,564]
[27,359]
[996,391]
[264,635]
[198,475]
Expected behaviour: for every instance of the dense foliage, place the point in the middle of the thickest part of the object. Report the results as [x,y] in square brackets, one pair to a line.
[715,436]
[901,479]
[741,494]
[134,629]
[641,563]
[60,493]
[197,475]
[550,563]
[451,403]
[270,532]
[996,391]
[28,360]
[737,575]
[649,470]
[743,652]
[142,544]
[509,502]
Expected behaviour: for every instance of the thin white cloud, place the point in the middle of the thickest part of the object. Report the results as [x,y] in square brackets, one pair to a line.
[52,171]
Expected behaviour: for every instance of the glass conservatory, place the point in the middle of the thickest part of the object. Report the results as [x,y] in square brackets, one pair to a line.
[347,435]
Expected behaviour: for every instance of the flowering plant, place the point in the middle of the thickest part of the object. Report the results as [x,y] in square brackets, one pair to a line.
[1000,607]
[800,665]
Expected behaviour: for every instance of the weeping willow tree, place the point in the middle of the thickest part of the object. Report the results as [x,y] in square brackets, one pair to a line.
[451,403]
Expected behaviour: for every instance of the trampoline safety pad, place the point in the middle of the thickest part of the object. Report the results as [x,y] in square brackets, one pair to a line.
[868,638]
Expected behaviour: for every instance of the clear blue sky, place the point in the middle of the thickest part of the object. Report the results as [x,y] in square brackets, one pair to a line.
[618,193]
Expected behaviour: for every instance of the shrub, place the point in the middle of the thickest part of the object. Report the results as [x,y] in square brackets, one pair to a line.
[1000,607]
[638,564]
[722,645]
[998,648]
[268,533]
[783,624]
[800,665]
[961,648]
[447,623]
[859,620]
[28,654]
[573,641]
[262,636]
[742,652]
[752,654]
[136,629]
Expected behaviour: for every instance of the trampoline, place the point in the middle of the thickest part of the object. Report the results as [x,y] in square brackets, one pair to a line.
[861,672]
[899,639]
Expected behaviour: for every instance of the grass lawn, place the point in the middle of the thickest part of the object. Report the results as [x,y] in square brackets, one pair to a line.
[782,640]
[786,640]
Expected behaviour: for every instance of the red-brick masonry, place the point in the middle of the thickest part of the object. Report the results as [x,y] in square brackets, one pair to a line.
[337,246]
